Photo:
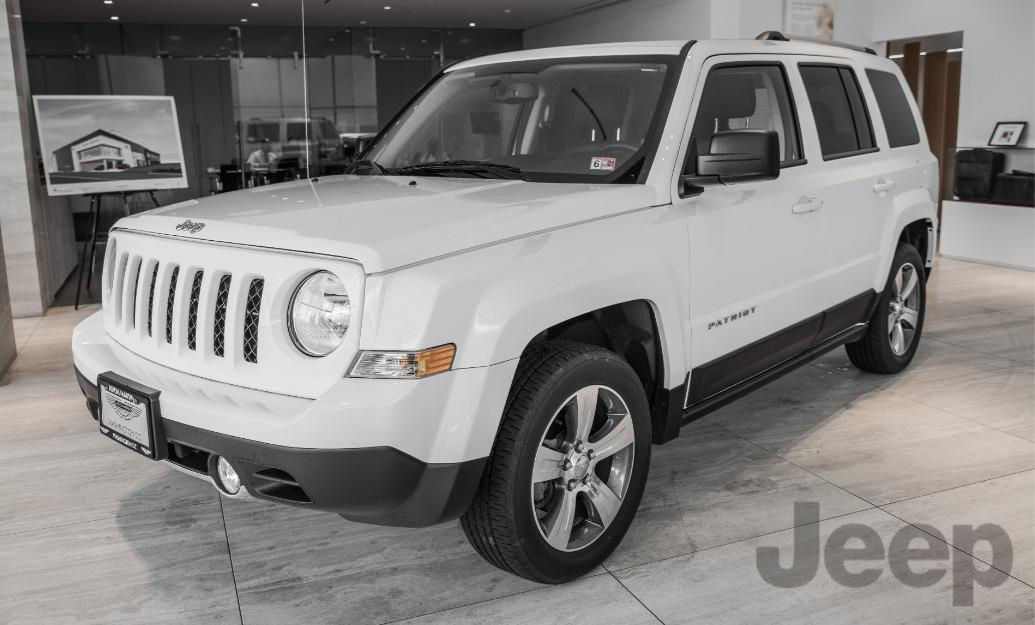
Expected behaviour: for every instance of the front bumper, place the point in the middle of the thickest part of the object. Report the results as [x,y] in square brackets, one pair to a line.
[390,452]
[379,485]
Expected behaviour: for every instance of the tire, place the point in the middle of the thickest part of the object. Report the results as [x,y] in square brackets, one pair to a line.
[513,522]
[883,349]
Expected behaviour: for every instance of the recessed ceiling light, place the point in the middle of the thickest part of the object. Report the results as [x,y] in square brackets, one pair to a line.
[896,56]
[388,8]
[109,1]
[255,4]
[114,18]
[244,19]
[362,22]
[472,24]
[507,10]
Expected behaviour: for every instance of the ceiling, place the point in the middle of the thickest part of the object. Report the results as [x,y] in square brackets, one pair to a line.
[512,14]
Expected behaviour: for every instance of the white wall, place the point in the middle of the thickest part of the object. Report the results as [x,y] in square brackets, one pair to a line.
[631,20]
[996,77]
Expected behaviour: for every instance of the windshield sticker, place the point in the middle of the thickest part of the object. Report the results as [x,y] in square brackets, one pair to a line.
[603,163]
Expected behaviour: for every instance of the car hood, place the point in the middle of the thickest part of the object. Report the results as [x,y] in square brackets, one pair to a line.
[386,222]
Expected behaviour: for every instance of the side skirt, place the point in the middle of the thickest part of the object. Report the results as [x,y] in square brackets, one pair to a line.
[720,399]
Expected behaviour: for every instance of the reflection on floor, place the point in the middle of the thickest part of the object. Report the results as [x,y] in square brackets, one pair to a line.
[90,533]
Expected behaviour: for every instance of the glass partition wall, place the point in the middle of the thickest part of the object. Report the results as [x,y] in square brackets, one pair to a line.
[239,89]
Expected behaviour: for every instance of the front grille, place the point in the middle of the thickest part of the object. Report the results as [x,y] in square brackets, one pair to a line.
[251,321]
[131,273]
[219,324]
[192,311]
[170,304]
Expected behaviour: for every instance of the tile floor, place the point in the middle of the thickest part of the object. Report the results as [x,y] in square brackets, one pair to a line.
[91,534]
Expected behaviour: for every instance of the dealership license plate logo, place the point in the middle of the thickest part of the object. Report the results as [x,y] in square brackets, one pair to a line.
[124,418]
[603,163]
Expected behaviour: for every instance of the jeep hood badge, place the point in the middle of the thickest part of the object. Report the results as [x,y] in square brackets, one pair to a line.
[192,227]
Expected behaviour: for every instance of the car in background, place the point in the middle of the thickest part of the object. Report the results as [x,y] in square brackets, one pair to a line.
[288,139]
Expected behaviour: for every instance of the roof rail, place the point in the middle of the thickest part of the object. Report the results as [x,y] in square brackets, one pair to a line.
[775,35]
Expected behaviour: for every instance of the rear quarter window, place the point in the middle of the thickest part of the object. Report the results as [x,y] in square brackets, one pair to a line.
[894,108]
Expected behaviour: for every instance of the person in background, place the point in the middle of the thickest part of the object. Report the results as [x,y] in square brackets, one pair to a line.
[264,158]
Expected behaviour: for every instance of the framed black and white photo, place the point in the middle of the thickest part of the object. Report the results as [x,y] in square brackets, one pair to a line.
[1007,134]
[100,144]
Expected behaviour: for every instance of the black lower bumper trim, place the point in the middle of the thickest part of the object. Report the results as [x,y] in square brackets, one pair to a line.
[378,485]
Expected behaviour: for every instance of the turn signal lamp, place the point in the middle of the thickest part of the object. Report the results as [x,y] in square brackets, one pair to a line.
[404,365]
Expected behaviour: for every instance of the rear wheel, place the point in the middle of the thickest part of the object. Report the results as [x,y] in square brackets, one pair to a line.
[568,467]
[894,333]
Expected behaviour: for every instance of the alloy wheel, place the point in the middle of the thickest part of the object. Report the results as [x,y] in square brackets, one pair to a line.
[582,468]
[904,309]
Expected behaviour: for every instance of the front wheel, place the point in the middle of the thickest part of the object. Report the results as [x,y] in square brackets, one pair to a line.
[894,333]
[568,467]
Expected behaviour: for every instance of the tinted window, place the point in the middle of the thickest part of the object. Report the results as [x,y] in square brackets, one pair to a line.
[753,97]
[837,105]
[894,108]
[257,133]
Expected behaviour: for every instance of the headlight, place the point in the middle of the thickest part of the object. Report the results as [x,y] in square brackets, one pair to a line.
[318,314]
[404,365]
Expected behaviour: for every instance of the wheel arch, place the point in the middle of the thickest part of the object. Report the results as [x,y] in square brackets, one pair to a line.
[631,330]
[920,234]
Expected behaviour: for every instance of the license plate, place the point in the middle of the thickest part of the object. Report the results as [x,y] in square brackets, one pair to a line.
[130,415]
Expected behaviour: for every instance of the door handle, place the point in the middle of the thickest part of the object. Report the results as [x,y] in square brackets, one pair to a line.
[807,205]
[883,185]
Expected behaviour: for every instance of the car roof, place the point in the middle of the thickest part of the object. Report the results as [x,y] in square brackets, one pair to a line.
[708,47]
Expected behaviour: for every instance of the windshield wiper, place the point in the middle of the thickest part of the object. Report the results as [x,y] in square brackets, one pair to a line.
[499,170]
[366,167]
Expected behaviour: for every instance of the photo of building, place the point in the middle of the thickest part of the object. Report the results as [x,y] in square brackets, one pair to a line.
[103,150]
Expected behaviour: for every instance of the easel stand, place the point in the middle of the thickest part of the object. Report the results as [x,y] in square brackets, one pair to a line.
[90,248]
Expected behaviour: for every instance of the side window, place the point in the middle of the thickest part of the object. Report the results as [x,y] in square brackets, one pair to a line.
[755,97]
[894,108]
[837,105]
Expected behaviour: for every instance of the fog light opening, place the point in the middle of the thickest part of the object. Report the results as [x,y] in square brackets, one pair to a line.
[226,477]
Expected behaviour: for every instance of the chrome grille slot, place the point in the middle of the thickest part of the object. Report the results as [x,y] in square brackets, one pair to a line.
[207,309]
[219,319]
[109,271]
[151,300]
[192,311]
[118,286]
[132,283]
[251,320]
[169,306]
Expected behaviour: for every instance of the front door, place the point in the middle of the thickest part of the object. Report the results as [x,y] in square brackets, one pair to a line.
[757,249]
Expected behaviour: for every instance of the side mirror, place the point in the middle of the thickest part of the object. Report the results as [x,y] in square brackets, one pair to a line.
[737,156]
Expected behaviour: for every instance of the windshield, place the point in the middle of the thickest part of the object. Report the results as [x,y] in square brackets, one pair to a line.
[562,120]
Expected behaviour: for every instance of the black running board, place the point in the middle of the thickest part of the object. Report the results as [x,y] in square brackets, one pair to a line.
[720,399]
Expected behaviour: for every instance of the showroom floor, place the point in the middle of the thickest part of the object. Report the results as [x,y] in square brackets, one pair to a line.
[90,533]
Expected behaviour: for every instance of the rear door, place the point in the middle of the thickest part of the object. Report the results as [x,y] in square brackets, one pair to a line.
[852,180]
[757,249]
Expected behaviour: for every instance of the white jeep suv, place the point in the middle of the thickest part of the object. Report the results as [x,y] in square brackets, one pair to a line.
[549,261]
